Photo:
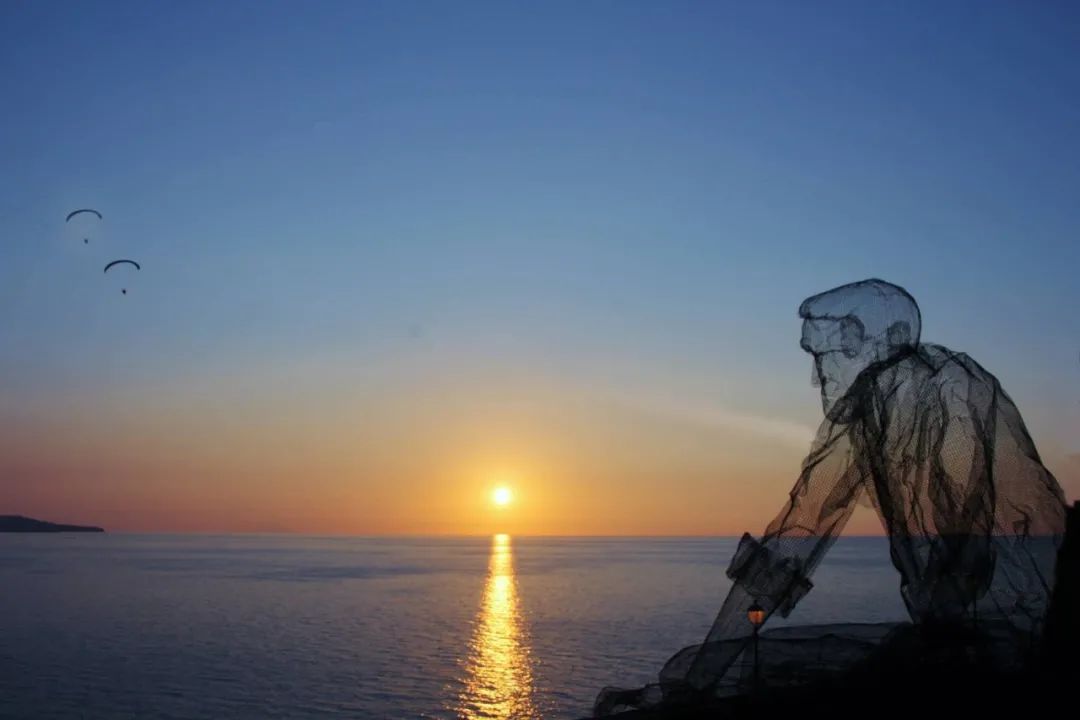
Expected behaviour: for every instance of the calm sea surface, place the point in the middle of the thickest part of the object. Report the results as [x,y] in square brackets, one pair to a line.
[154,626]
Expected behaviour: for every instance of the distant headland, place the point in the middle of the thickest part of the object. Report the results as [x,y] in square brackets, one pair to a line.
[18,523]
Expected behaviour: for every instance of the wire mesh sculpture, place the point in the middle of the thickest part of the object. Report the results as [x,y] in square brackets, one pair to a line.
[930,439]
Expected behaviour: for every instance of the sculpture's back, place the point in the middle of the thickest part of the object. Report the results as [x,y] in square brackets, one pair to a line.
[974,517]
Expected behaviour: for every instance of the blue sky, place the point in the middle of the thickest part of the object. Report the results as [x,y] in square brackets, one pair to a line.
[626,195]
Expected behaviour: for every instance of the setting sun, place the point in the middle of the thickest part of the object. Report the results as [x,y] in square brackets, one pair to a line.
[501,496]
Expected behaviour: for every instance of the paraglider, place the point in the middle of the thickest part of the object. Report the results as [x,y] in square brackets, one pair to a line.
[73,213]
[114,263]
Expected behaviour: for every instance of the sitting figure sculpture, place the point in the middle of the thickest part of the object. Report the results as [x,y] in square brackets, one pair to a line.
[930,439]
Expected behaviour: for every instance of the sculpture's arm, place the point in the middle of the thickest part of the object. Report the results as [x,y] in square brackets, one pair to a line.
[774,572]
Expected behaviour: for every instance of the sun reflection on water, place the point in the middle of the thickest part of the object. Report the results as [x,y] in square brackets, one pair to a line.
[498,673]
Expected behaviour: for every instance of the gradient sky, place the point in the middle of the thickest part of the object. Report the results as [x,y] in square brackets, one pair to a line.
[396,253]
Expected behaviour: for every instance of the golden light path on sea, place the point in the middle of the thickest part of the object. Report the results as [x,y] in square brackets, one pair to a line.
[498,671]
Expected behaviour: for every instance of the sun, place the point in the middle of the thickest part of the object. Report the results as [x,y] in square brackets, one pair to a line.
[501,496]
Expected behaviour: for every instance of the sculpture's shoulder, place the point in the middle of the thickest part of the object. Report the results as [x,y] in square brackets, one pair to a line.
[947,363]
[951,374]
[968,398]
[920,379]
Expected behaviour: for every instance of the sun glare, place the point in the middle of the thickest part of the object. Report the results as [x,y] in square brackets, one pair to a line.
[501,496]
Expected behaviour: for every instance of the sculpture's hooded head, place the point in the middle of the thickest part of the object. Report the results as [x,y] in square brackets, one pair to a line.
[848,329]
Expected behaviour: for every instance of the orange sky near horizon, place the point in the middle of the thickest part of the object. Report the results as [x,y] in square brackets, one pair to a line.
[408,458]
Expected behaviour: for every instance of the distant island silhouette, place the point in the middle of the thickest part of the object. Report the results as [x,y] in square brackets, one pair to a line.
[18,523]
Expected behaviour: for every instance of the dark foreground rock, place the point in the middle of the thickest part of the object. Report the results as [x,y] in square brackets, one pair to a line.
[961,691]
[20,524]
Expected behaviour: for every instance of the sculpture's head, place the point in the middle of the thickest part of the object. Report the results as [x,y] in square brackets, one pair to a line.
[849,328]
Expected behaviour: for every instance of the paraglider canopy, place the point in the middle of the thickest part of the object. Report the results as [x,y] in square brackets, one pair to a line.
[121,262]
[73,213]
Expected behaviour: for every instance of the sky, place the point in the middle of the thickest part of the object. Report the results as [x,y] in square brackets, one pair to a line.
[395,254]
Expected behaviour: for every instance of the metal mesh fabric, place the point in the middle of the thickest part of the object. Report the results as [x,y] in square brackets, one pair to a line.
[932,441]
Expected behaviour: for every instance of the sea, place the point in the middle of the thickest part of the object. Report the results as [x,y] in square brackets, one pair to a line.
[117,626]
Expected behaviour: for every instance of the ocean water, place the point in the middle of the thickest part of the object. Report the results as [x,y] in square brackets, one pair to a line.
[155,626]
